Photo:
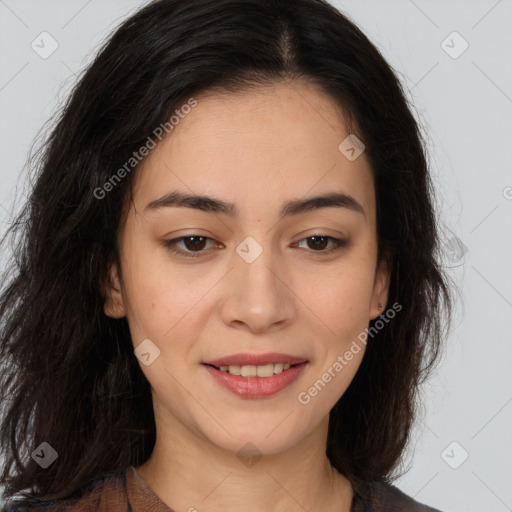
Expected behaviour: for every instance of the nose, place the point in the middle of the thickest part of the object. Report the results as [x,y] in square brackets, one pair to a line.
[258,296]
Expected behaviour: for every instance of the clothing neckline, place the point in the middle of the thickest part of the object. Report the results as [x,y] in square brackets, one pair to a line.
[362,493]
[144,497]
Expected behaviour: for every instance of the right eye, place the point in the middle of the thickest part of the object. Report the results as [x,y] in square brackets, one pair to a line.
[197,242]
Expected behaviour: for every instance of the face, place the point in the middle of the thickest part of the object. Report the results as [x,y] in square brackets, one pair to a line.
[251,280]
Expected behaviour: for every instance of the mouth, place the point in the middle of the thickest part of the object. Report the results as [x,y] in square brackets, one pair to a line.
[259,371]
[246,359]
[261,379]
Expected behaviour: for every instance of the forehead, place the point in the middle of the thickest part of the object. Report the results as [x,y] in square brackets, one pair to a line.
[257,148]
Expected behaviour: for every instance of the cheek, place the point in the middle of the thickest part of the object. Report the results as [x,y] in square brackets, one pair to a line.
[162,300]
[341,299]
[147,295]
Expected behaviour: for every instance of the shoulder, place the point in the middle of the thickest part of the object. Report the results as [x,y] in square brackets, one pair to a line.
[103,495]
[385,497]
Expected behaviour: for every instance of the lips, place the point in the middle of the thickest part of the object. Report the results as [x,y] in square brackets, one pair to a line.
[256,387]
[256,375]
[256,360]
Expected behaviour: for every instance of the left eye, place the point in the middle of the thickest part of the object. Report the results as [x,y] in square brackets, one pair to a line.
[320,240]
[196,244]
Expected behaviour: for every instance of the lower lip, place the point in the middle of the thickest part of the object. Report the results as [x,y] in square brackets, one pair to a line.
[256,387]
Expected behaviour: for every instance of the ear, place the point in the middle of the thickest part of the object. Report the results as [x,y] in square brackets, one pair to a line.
[380,289]
[114,306]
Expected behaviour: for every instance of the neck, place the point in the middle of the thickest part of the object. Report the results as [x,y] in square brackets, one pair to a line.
[187,471]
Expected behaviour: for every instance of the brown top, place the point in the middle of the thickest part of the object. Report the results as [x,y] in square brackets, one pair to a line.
[130,493]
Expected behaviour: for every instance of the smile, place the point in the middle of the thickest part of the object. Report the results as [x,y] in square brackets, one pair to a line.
[250,381]
[263,371]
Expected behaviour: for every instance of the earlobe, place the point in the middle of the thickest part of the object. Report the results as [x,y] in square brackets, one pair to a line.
[114,302]
[380,290]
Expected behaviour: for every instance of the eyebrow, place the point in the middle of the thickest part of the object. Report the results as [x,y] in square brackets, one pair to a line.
[290,208]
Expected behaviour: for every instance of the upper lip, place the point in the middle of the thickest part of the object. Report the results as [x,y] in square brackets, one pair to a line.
[256,359]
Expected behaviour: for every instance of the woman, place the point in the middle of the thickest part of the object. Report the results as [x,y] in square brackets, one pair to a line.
[226,291]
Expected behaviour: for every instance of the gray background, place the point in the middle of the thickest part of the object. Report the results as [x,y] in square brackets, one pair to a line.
[464,105]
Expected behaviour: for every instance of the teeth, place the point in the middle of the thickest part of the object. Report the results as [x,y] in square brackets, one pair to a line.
[266,370]
[278,368]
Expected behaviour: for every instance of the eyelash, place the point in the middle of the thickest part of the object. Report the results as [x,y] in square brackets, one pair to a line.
[171,245]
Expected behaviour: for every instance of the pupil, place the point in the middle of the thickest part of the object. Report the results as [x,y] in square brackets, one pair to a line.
[316,238]
[194,245]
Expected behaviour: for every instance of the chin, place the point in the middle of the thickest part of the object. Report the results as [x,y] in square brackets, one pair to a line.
[257,440]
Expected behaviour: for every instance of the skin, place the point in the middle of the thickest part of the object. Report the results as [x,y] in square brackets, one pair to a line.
[256,149]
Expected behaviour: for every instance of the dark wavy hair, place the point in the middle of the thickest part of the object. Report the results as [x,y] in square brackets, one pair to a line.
[69,374]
